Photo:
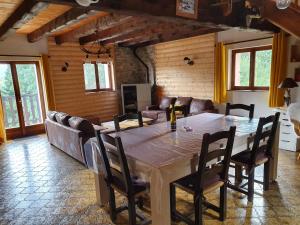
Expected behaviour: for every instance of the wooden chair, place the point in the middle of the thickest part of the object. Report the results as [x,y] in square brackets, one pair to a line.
[249,108]
[260,154]
[120,180]
[207,178]
[129,116]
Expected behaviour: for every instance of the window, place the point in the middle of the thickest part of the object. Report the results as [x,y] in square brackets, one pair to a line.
[97,76]
[251,68]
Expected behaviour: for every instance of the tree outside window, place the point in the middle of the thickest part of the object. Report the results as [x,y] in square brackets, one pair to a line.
[251,68]
[97,76]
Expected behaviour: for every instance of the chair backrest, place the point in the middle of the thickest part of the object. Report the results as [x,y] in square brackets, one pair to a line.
[264,138]
[249,108]
[220,155]
[113,146]
[129,116]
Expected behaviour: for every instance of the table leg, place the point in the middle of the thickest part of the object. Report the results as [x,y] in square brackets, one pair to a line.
[102,193]
[160,200]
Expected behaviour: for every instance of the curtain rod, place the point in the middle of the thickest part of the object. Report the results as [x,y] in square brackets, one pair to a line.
[257,39]
[21,56]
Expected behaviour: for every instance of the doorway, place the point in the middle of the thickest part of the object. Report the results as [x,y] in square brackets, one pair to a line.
[22,98]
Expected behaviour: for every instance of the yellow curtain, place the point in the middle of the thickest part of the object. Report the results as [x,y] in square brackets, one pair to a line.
[220,92]
[278,69]
[48,83]
[2,125]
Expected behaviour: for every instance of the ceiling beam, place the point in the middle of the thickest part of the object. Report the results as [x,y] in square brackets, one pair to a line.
[164,9]
[176,35]
[101,23]
[287,19]
[124,27]
[69,17]
[210,15]
[24,8]
[137,40]
[151,7]
[147,31]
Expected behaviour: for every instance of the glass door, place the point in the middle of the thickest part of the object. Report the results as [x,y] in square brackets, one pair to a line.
[22,98]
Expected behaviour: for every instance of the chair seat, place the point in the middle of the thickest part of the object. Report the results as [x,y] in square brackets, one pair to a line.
[188,183]
[138,185]
[244,157]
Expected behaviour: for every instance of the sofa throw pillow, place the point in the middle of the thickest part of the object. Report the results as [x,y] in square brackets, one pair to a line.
[62,118]
[81,124]
[51,115]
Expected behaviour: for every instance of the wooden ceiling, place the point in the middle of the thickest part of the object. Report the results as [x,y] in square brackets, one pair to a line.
[7,7]
[49,13]
[132,23]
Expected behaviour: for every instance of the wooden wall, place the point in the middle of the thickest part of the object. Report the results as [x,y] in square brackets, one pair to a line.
[69,89]
[175,78]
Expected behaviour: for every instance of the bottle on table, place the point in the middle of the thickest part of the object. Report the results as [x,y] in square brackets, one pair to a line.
[173,119]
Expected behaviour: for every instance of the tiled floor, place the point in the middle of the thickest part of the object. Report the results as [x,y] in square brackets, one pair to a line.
[41,185]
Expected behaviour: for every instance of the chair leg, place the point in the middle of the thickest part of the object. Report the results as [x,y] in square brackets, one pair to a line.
[198,204]
[131,211]
[173,201]
[251,185]
[140,202]
[298,158]
[112,205]
[238,175]
[266,176]
[223,202]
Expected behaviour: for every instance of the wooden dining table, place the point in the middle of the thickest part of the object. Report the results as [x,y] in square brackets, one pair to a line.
[160,156]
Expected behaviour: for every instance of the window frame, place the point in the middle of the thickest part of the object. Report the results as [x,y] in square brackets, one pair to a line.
[252,51]
[98,89]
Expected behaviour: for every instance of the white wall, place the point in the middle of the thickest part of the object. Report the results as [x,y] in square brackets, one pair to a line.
[259,98]
[15,44]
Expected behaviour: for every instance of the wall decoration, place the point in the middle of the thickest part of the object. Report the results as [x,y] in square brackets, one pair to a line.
[295,53]
[187,8]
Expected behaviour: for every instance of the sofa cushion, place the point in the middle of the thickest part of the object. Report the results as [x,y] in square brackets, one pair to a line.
[62,118]
[183,101]
[200,105]
[51,115]
[166,102]
[81,124]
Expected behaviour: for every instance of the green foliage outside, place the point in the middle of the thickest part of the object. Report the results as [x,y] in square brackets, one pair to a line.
[102,78]
[26,78]
[29,92]
[263,61]
[89,76]
[244,69]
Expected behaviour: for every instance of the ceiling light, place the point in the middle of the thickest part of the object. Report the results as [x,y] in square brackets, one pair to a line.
[283,4]
[86,3]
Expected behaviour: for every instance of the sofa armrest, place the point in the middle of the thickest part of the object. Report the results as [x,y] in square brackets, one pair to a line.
[152,107]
